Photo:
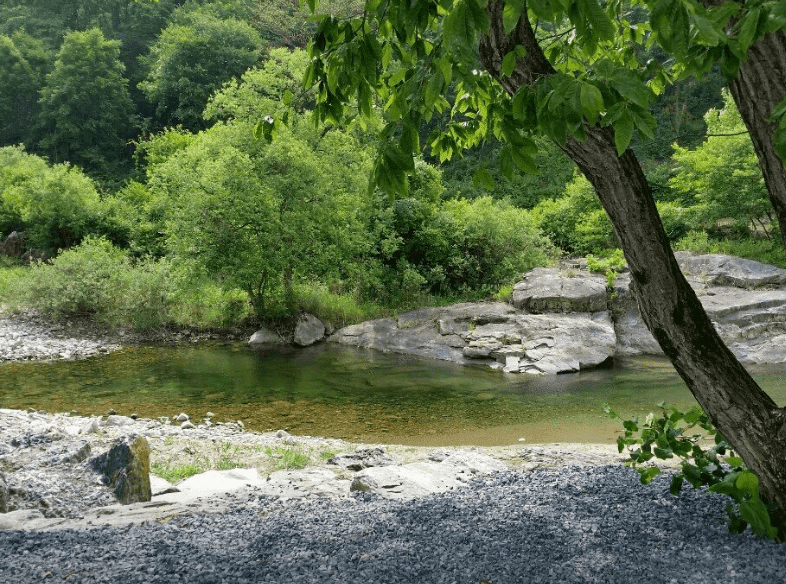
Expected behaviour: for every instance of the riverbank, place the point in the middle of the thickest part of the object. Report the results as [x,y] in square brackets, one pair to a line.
[29,336]
[51,485]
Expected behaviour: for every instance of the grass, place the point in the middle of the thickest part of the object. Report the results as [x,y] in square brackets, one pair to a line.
[287,458]
[174,473]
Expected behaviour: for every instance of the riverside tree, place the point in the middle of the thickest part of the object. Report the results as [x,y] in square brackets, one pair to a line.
[566,69]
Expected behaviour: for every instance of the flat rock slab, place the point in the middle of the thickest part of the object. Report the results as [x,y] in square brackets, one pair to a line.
[418,479]
[724,270]
[494,334]
[548,290]
[213,482]
[310,482]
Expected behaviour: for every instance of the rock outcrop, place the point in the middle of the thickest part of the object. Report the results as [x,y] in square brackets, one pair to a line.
[746,300]
[126,468]
[561,321]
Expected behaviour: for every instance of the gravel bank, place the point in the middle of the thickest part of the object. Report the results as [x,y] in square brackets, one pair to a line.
[549,525]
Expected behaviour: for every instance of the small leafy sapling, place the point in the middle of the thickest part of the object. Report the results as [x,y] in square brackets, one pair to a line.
[681,434]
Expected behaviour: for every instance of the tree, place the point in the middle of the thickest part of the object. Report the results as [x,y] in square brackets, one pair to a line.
[722,175]
[192,59]
[55,205]
[19,85]
[583,86]
[258,217]
[86,110]
[748,41]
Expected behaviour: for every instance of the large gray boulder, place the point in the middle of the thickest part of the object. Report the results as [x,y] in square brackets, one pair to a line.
[308,330]
[549,290]
[746,301]
[13,245]
[724,270]
[126,469]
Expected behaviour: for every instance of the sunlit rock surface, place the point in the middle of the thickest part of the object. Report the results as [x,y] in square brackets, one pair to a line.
[567,320]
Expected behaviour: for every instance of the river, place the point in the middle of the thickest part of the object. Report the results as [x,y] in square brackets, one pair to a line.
[356,394]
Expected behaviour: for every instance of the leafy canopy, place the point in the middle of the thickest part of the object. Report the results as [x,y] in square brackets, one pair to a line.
[416,60]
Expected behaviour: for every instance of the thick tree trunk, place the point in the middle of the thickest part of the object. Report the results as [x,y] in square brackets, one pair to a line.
[758,88]
[742,412]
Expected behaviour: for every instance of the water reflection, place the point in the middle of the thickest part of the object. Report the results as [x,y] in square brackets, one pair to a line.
[354,393]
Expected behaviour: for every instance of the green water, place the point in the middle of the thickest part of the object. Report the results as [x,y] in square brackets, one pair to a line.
[355,394]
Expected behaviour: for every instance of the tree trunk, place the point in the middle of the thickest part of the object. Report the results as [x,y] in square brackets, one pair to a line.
[759,86]
[743,414]
[757,89]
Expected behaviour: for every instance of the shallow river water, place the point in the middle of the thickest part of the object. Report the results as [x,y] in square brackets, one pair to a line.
[356,394]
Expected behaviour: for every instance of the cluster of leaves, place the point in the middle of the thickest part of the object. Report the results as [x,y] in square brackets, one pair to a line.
[716,467]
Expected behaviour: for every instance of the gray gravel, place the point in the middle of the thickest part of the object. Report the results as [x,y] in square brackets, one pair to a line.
[553,525]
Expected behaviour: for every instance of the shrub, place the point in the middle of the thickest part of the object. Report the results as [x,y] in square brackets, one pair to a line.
[54,205]
[99,280]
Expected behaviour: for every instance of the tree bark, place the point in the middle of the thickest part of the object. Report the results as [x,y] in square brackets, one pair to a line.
[743,414]
[757,89]
[759,86]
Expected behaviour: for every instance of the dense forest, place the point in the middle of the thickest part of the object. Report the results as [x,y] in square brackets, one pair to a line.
[130,153]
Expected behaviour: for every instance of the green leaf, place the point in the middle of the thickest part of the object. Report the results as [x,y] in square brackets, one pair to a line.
[483,178]
[591,102]
[676,484]
[631,88]
[287,98]
[712,35]
[511,14]
[623,132]
[647,474]
[601,23]
[509,63]
[748,483]
[748,28]
[756,514]
[734,461]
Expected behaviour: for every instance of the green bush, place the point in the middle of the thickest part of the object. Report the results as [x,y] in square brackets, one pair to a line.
[99,280]
[576,223]
[54,205]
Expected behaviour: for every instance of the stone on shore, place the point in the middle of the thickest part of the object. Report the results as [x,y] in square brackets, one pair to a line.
[3,494]
[309,330]
[126,468]
[444,471]
[264,337]
[362,458]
